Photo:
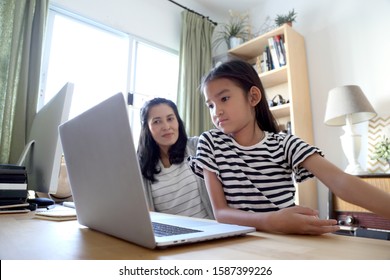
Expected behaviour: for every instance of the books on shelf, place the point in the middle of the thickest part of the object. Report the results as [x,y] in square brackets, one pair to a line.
[267,60]
[273,55]
[281,52]
[259,64]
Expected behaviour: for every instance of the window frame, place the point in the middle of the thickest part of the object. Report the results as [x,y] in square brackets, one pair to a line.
[133,42]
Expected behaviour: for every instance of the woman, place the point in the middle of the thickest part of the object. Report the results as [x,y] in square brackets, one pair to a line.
[163,148]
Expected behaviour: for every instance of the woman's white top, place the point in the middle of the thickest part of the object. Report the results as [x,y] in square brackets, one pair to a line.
[176,191]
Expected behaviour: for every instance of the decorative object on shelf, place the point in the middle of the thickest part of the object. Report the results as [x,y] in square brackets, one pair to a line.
[377,128]
[235,32]
[267,26]
[288,127]
[382,150]
[285,128]
[288,18]
[277,100]
[346,106]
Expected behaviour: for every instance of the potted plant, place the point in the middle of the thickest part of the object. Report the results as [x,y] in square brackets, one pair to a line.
[289,18]
[382,150]
[234,32]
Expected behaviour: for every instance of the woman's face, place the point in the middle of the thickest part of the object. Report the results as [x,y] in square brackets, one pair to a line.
[163,125]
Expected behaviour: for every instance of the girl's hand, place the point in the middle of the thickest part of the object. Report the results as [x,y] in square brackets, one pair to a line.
[300,220]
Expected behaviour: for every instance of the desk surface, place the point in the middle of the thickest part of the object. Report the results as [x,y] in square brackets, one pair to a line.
[23,237]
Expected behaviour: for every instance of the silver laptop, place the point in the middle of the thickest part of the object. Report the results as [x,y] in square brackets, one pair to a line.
[107,184]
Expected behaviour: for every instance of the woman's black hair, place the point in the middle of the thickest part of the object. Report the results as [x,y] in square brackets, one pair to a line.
[148,150]
[245,76]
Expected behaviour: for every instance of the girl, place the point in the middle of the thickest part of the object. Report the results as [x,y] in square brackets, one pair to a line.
[250,169]
[163,146]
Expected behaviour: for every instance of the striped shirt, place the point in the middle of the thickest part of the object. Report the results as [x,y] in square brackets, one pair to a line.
[258,178]
[176,192]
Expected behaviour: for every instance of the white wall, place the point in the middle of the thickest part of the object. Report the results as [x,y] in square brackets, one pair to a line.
[158,21]
[142,18]
[347,42]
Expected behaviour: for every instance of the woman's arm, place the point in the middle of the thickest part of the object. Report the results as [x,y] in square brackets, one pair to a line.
[297,219]
[349,187]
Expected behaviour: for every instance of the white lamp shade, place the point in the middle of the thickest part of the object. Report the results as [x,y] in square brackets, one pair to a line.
[347,101]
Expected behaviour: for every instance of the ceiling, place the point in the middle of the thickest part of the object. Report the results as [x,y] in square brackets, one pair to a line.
[223,6]
[237,5]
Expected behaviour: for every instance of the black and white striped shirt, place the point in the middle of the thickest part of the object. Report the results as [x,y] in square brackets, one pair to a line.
[259,178]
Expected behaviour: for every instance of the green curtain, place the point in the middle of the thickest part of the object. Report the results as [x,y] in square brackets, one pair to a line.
[22,25]
[195,62]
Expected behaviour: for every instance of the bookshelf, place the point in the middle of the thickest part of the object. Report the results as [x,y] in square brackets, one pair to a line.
[290,81]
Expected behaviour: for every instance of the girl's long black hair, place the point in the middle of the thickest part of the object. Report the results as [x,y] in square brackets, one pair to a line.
[148,151]
[245,76]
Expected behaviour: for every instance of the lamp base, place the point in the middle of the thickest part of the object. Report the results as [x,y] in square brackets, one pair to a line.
[350,143]
[354,169]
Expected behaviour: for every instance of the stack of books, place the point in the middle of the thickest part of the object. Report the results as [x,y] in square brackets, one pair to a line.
[13,188]
[273,56]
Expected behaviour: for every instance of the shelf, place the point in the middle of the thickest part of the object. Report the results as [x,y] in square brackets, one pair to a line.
[274,77]
[255,47]
[281,111]
[250,50]
[291,82]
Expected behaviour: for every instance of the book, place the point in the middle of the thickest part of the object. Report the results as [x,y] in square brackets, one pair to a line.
[264,63]
[14,208]
[16,205]
[13,178]
[57,213]
[4,167]
[268,59]
[13,184]
[12,201]
[13,196]
[281,50]
[259,64]
[12,174]
[273,51]
[56,218]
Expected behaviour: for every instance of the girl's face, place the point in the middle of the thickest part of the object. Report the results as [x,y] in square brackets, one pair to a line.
[163,125]
[232,110]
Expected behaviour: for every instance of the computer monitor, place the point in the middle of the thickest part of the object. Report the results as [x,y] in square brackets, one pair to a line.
[43,159]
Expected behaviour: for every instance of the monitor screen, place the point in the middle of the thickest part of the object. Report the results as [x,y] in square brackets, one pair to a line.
[43,161]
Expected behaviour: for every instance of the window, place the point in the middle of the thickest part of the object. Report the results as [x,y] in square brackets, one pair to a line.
[100,63]
[94,58]
[155,74]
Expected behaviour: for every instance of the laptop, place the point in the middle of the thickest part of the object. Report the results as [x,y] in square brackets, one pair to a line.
[107,185]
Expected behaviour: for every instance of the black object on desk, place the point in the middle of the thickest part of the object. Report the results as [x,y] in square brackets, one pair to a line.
[372,233]
[41,201]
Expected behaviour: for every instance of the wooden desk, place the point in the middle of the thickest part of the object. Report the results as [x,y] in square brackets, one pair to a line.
[24,238]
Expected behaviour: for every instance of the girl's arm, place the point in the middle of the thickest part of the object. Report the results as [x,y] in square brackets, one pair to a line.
[297,219]
[348,187]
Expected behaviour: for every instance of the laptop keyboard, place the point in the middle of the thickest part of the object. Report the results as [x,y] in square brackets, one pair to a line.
[169,230]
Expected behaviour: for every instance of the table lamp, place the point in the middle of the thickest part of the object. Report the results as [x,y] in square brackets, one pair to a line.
[346,106]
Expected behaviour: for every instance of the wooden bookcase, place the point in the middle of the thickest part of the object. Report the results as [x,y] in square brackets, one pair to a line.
[290,81]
